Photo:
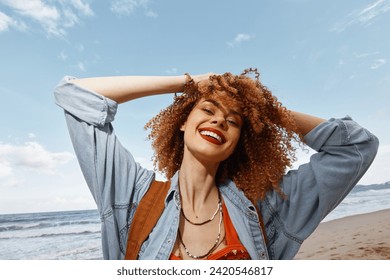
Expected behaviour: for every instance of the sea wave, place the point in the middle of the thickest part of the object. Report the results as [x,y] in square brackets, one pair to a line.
[14,227]
[79,233]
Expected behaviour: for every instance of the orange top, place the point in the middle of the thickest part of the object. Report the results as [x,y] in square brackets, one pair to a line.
[234,250]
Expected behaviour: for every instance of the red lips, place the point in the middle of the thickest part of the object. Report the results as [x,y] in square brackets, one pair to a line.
[214,136]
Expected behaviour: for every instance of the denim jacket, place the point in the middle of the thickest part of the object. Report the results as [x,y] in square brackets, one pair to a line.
[345,150]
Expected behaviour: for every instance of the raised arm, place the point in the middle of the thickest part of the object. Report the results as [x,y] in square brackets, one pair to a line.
[345,150]
[126,88]
[305,122]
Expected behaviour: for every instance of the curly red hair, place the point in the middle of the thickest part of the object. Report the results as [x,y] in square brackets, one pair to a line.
[265,148]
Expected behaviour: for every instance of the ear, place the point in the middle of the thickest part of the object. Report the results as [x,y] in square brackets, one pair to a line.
[183,127]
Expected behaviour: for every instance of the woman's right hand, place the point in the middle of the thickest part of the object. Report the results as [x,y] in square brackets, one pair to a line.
[202,77]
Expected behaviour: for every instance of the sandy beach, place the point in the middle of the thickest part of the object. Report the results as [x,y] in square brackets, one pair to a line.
[359,237]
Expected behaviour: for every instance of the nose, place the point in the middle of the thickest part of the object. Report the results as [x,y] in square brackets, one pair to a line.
[219,121]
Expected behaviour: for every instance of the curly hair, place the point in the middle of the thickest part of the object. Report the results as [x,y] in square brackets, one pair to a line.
[266,145]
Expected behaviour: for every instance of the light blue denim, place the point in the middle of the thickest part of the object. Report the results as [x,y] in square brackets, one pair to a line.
[345,150]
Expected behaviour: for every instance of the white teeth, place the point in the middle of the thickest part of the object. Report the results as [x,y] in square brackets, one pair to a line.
[211,134]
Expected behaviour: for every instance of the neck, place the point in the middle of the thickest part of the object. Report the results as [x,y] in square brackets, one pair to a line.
[197,183]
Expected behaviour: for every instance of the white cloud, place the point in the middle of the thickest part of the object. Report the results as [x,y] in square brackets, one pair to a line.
[171,71]
[19,164]
[81,66]
[362,55]
[47,16]
[53,19]
[7,22]
[62,56]
[31,135]
[123,7]
[239,39]
[5,169]
[80,47]
[30,155]
[128,7]
[69,20]
[82,7]
[363,16]
[375,64]
[378,63]
[373,10]
[151,13]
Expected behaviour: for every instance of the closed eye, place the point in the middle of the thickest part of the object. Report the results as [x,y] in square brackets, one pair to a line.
[208,111]
[233,122]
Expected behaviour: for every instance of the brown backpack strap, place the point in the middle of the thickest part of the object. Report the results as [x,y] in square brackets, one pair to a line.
[144,219]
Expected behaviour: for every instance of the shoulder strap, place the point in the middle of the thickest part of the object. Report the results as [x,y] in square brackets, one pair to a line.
[144,219]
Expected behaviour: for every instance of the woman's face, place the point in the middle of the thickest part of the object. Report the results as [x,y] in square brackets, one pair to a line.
[212,129]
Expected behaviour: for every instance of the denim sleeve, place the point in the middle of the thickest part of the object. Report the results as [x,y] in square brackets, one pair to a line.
[345,151]
[113,177]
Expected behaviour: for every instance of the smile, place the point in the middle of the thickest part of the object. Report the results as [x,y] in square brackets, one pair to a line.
[212,135]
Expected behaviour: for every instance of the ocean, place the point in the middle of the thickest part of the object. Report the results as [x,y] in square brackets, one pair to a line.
[66,235]
[74,235]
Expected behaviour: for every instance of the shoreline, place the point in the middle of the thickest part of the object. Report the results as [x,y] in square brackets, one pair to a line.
[357,237]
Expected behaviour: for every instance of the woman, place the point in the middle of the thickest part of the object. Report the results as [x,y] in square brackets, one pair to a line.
[224,144]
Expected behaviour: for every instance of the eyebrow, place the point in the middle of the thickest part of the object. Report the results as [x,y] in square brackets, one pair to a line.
[218,105]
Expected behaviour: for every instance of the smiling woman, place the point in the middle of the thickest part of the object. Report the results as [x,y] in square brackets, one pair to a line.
[224,144]
[244,115]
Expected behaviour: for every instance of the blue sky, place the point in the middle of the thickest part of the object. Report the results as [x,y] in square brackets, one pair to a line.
[327,58]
